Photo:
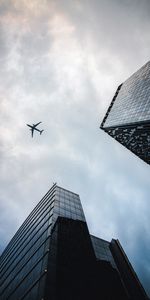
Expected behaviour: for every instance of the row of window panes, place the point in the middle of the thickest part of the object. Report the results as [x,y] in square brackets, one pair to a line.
[131,107]
[31,228]
[37,222]
[68,203]
[69,207]
[72,209]
[100,250]
[37,290]
[61,210]
[16,275]
[101,255]
[19,236]
[48,194]
[64,198]
[33,293]
[69,215]
[64,191]
[66,194]
[103,251]
[25,254]
[100,242]
[128,111]
[117,103]
[31,238]
[45,208]
[30,242]
[22,251]
[27,282]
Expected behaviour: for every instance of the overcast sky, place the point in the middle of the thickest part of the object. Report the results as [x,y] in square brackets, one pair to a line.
[61,62]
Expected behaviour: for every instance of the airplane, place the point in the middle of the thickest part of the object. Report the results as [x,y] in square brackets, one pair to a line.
[33,127]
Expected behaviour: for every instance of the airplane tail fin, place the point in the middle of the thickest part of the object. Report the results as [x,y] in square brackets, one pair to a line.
[41,131]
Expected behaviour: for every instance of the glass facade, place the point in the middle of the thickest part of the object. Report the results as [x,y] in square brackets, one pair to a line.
[23,263]
[128,116]
[67,204]
[53,249]
[102,250]
[132,103]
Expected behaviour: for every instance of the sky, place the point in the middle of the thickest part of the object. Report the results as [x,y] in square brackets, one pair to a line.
[60,63]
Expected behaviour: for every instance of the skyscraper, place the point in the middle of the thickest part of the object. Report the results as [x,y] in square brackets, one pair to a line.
[53,256]
[128,116]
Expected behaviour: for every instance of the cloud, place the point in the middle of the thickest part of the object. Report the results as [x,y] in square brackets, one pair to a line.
[61,63]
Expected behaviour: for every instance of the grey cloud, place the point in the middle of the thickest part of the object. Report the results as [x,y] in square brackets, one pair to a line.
[118,28]
[67,80]
[6,6]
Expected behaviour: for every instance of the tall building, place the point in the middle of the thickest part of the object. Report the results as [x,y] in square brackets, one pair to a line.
[53,256]
[128,117]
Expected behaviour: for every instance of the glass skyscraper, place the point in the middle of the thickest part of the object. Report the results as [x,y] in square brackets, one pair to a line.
[128,116]
[53,256]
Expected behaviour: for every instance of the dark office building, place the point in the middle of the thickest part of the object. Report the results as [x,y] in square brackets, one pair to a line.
[52,256]
[128,116]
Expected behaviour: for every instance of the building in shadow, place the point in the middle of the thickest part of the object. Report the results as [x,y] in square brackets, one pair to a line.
[52,256]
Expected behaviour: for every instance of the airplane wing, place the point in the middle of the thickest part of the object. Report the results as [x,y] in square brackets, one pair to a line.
[37,124]
[29,125]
